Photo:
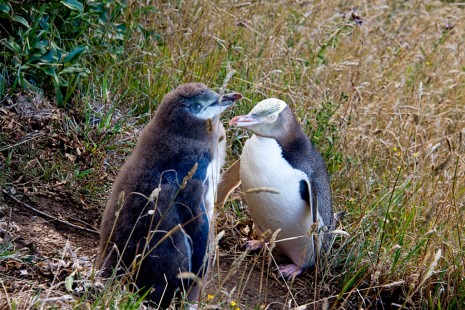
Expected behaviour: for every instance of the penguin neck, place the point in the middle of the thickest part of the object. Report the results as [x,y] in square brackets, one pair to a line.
[293,140]
[288,136]
[191,127]
[293,144]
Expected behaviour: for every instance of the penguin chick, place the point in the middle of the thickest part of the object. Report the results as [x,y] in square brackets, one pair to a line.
[157,221]
[286,184]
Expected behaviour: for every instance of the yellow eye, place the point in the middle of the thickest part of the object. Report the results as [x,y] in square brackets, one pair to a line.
[272,117]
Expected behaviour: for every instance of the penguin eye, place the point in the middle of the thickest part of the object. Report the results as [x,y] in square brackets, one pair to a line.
[196,107]
[272,117]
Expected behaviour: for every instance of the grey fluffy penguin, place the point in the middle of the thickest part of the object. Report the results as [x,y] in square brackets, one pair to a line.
[286,184]
[157,222]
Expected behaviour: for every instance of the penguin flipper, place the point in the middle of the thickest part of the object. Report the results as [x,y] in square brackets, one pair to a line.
[229,181]
[179,244]
[308,193]
[167,261]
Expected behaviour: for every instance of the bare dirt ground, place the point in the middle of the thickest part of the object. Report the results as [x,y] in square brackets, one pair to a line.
[44,253]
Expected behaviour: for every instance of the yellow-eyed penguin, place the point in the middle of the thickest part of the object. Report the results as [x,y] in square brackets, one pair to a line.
[286,183]
[157,222]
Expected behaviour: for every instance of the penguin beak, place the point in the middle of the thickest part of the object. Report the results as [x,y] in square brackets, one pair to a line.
[244,121]
[219,105]
[229,99]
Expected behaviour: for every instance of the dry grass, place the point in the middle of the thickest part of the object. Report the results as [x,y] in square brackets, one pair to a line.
[380,91]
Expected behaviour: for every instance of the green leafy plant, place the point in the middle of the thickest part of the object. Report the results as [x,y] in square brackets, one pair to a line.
[44,46]
[37,55]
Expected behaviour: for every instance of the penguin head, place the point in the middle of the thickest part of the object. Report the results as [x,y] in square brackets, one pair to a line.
[269,118]
[196,100]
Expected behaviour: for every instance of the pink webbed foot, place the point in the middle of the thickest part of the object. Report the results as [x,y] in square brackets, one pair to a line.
[289,271]
[253,245]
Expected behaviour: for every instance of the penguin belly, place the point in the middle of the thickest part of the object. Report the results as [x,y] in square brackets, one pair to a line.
[262,165]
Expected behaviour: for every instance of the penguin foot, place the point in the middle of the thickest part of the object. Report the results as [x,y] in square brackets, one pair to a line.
[254,245]
[289,271]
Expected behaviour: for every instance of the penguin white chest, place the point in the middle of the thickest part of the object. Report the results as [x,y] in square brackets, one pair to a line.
[263,166]
[218,153]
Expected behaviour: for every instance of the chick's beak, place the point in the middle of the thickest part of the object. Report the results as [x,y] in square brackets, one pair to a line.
[229,99]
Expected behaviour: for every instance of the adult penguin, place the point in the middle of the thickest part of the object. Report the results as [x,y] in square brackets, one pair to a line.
[286,184]
[157,223]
